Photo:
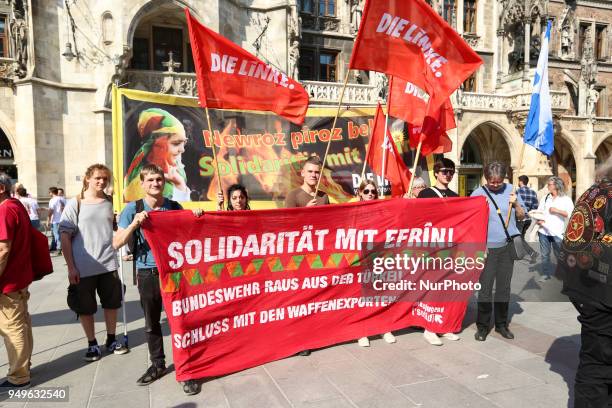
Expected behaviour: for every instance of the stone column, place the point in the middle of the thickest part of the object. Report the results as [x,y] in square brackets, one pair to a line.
[526,53]
[460,16]
[500,57]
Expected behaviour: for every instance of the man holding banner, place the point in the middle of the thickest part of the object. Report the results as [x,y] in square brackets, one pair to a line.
[135,213]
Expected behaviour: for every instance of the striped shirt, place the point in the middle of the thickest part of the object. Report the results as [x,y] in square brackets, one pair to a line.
[529,198]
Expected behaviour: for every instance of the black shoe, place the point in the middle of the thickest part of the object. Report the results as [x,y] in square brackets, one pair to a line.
[191,387]
[304,353]
[481,334]
[7,385]
[152,374]
[505,332]
[93,353]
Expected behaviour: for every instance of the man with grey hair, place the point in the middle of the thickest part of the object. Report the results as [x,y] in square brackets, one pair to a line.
[556,208]
[16,274]
[584,262]
[505,207]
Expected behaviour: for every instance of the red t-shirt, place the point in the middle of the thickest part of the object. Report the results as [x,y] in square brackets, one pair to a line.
[15,227]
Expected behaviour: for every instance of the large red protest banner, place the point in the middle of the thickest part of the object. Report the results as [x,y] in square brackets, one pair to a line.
[243,288]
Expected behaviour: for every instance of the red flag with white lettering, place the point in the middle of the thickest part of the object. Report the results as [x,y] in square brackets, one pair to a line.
[230,77]
[381,150]
[409,103]
[406,38]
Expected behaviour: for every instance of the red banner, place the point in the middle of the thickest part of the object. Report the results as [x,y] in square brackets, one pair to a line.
[230,77]
[242,288]
[408,39]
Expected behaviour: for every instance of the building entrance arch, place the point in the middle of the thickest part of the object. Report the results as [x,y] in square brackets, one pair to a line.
[7,156]
[483,145]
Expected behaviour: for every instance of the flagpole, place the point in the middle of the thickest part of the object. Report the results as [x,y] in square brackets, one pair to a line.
[212,143]
[416,161]
[381,196]
[348,71]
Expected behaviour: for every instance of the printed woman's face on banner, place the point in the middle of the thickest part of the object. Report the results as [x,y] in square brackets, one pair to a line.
[176,147]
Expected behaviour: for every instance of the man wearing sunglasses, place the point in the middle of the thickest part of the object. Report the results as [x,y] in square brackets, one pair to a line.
[444,170]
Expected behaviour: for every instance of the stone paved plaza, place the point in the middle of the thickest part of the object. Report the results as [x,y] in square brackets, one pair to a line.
[534,370]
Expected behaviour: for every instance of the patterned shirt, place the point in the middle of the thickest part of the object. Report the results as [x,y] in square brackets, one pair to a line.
[529,198]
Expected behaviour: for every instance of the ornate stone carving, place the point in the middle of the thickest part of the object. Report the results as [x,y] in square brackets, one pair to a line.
[567,26]
[329,92]
[329,23]
[512,12]
[294,23]
[473,40]
[356,14]
[294,59]
[19,38]
[121,63]
[6,69]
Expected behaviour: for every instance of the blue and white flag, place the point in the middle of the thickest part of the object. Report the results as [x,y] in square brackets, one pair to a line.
[539,127]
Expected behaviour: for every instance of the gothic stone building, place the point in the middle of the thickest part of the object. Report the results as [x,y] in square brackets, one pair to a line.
[59,59]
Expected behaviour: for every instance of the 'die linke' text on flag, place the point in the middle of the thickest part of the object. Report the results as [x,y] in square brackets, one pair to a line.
[413,34]
[234,66]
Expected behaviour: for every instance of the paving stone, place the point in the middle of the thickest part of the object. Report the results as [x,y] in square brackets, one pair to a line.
[444,392]
[256,390]
[543,396]
[555,374]
[363,387]
[136,398]
[394,364]
[312,385]
[488,377]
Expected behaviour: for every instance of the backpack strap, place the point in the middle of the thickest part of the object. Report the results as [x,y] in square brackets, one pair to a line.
[136,234]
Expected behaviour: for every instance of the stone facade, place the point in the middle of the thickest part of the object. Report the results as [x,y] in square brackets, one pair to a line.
[55,110]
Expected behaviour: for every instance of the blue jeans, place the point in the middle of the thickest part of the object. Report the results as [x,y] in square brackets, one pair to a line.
[56,243]
[547,243]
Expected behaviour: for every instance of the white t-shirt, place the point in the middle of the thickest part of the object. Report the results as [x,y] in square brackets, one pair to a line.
[554,224]
[56,204]
[31,205]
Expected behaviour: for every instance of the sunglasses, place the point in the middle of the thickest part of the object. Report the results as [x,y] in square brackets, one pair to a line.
[368,191]
[447,172]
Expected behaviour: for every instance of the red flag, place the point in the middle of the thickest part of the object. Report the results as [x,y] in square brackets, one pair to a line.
[395,170]
[433,131]
[410,103]
[230,77]
[406,38]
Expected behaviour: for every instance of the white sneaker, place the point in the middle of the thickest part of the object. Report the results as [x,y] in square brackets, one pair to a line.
[363,342]
[451,336]
[389,337]
[432,338]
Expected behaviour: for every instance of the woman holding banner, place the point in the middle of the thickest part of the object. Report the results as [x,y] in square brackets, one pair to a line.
[163,143]
[368,191]
[499,264]
[238,198]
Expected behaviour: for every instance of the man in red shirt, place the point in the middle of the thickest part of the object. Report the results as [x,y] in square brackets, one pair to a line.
[15,277]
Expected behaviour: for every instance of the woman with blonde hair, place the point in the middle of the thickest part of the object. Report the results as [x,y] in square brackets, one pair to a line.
[556,208]
[86,229]
[368,191]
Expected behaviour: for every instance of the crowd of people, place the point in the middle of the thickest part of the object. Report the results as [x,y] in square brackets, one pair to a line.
[85,232]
